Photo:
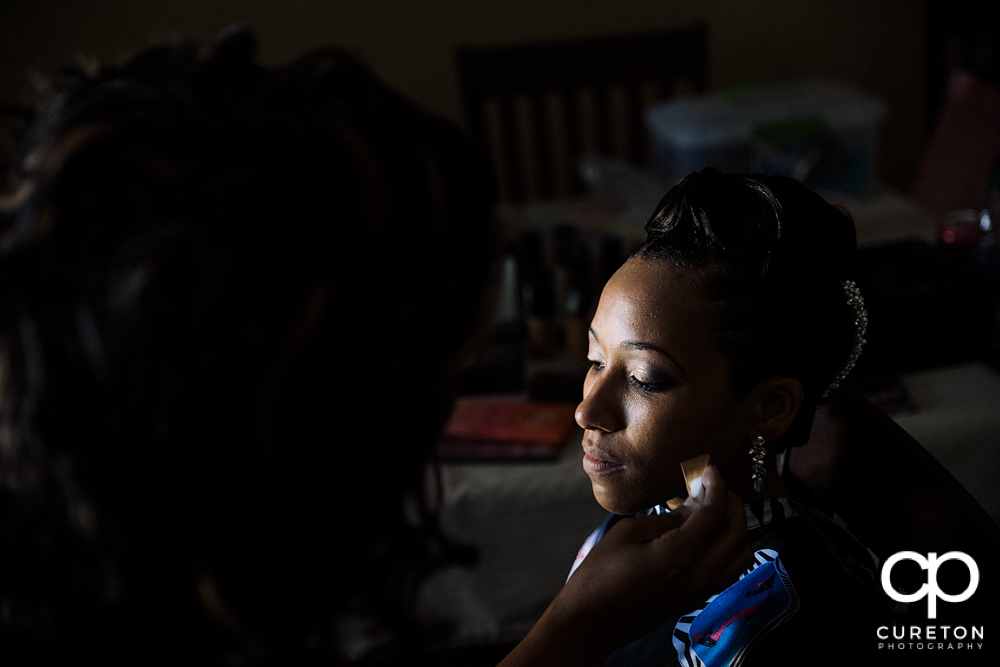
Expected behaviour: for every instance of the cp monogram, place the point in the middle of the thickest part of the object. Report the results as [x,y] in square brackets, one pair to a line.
[931,589]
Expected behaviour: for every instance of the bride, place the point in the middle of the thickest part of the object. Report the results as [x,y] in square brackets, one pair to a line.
[721,335]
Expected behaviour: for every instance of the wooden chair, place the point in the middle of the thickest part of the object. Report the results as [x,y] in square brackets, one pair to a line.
[539,107]
[895,496]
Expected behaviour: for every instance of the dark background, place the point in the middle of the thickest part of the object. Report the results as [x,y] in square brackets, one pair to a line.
[880,46]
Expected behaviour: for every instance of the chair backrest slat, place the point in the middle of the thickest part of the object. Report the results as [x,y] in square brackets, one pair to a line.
[587,70]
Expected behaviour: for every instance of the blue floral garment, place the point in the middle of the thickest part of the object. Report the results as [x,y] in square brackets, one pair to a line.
[810,598]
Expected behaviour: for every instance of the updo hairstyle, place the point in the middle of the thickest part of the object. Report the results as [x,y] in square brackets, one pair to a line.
[770,256]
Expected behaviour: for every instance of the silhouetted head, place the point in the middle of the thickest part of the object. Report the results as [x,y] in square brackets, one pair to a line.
[233,303]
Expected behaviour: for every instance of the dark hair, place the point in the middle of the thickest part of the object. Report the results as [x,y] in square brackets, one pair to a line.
[231,303]
[770,256]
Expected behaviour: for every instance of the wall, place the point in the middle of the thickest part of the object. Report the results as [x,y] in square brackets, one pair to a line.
[874,44]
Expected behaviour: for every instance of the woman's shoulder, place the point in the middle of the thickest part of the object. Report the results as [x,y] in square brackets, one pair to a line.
[833,579]
[811,542]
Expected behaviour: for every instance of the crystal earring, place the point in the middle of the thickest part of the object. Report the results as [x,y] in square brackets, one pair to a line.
[757,453]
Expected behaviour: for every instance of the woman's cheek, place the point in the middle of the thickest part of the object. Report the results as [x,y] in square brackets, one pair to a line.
[637,412]
[645,430]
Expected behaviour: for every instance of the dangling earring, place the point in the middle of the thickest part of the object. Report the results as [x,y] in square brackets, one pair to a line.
[757,453]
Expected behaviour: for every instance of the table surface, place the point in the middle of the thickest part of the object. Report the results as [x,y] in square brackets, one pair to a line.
[529,519]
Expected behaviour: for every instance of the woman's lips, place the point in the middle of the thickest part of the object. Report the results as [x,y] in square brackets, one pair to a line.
[595,464]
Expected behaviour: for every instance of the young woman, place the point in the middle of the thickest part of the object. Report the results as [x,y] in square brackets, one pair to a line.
[720,336]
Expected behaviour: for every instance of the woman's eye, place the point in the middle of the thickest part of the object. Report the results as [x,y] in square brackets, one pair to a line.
[656,385]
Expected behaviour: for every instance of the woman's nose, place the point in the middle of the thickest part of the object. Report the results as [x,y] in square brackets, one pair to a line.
[600,407]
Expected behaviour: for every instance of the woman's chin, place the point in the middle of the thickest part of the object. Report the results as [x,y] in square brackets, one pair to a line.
[618,505]
[609,501]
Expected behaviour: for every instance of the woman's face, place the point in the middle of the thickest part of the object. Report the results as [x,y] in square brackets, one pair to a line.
[657,392]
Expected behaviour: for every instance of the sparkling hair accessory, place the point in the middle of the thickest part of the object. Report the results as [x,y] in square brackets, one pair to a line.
[857,305]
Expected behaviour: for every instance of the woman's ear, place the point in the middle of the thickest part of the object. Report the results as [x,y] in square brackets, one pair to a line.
[775,403]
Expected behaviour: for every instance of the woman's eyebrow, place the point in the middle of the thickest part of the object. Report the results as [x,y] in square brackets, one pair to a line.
[639,345]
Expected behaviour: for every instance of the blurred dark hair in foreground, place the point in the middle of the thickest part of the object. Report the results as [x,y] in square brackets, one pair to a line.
[232,301]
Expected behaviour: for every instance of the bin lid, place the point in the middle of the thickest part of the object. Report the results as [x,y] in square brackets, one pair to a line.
[733,115]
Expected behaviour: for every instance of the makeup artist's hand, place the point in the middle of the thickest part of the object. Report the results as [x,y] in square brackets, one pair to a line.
[641,571]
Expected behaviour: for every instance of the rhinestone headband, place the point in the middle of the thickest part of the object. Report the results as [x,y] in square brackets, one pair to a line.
[857,305]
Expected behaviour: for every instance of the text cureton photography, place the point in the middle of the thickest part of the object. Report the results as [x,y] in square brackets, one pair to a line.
[930,637]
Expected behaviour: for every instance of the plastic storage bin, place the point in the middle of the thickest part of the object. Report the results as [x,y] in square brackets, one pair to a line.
[823,133]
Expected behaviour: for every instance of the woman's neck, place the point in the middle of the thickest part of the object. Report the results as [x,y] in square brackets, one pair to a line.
[741,484]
